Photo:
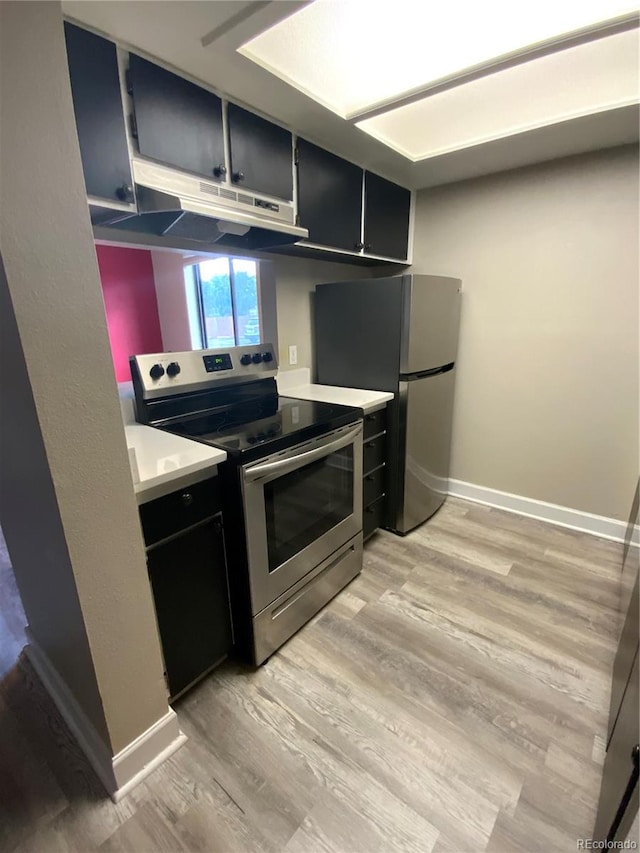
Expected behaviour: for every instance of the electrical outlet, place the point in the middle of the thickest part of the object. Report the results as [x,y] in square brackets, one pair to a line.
[293,354]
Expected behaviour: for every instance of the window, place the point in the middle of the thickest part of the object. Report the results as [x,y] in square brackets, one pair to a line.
[228,303]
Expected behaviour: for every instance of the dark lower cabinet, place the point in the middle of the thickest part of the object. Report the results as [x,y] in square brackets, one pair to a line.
[261,154]
[97,104]
[374,478]
[373,517]
[329,197]
[386,217]
[176,122]
[188,575]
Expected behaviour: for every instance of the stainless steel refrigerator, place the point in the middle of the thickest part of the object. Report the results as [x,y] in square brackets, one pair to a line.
[398,334]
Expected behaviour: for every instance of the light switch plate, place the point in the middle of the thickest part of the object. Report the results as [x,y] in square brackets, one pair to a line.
[293,354]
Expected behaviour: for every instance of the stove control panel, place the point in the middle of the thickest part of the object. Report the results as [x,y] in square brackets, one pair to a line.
[162,374]
[214,363]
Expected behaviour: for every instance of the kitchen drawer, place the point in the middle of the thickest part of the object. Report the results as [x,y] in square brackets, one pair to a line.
[374,485]
[372,517]
[373,453]
[168,515]
[375,422]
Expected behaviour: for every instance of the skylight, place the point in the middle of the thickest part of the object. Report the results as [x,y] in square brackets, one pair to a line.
[567,84]
[353,55]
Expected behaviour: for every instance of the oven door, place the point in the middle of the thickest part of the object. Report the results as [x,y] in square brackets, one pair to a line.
[300,506]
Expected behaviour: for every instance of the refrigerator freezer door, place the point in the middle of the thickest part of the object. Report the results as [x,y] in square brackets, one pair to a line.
[430,320]
[426,409]
[357,333]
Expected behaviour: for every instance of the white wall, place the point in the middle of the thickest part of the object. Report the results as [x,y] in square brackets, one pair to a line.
[168,274]
[296,280]
[547,387]
[66,500]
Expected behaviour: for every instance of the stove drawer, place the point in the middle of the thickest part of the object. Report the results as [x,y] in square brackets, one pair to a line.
[168,515]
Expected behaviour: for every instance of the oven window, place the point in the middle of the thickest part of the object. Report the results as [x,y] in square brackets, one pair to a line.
[303,505]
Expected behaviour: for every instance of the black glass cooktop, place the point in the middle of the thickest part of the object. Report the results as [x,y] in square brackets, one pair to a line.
[264,426]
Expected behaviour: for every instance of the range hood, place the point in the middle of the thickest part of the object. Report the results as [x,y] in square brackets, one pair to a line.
[180,206]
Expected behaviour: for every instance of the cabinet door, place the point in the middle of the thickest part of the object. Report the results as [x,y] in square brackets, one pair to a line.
[617,805]
[329,197]
[177,122]
[261,154]
[97,104]
[386,217]
[189,582]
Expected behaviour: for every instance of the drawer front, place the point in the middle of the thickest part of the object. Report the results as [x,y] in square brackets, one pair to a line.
[373,453]
[372,517]
[374,485]
[375,422]
[169,514]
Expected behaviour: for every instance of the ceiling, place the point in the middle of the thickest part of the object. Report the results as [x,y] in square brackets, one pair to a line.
[578,100]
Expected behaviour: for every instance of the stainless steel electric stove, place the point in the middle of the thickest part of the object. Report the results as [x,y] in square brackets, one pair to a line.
[291,484]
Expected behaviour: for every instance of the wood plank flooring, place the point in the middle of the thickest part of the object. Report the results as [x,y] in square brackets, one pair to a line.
[452,699]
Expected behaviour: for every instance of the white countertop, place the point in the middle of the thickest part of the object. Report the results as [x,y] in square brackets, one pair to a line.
[296,383]
[161,462]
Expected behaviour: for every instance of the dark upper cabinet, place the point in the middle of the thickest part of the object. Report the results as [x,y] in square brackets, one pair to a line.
[386,217]
[329,197]
[177,122]
[261,154]
[97,104]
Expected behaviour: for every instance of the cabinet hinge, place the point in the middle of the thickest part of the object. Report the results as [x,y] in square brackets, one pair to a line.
[134,125]
[127,82]
[296,155]
[297,220]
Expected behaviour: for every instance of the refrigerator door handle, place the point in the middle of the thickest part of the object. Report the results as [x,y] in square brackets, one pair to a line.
[423,374]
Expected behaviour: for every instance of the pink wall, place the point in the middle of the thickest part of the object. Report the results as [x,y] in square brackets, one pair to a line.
[130,303]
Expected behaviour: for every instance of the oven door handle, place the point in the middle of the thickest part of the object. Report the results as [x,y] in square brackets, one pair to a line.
[283,466]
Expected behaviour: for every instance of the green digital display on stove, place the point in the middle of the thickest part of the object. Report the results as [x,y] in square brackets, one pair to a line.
[213,363]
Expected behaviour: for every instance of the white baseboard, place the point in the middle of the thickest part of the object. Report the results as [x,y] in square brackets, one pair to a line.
[121,772]
[574,519]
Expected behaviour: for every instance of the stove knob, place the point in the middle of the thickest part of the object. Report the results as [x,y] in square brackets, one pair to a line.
[256,358]
[245,359]
[156,371]
[173,368]
[266,356]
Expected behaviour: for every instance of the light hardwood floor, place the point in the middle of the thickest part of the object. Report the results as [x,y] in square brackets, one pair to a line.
[453,698]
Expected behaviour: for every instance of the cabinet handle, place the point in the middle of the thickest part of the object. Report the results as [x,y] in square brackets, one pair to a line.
[359,247]
[220,171]
[237,177]
[186,498]
[125,192]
